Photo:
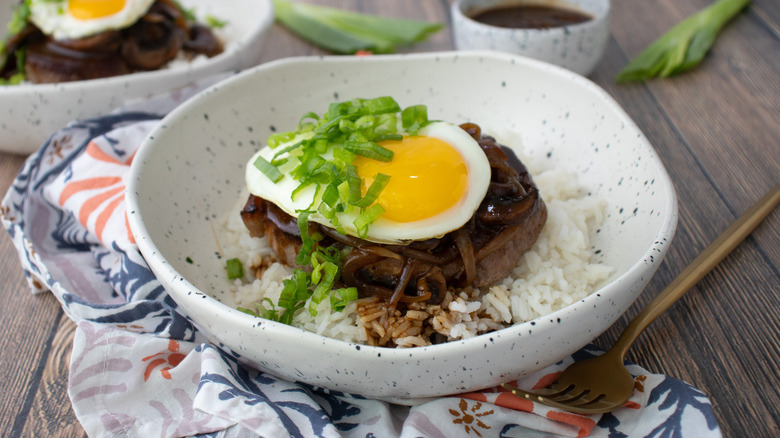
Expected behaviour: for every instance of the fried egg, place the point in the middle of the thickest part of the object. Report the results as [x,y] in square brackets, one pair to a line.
[71,19]
[438,178]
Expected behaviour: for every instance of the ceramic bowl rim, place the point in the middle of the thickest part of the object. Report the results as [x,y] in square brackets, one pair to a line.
[459,8]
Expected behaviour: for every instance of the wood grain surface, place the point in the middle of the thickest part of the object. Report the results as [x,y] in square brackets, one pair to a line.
[717,131]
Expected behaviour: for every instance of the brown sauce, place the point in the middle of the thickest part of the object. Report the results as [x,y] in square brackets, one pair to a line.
[530,16]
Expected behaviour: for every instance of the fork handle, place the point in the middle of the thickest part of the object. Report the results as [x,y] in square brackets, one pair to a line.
[699,267]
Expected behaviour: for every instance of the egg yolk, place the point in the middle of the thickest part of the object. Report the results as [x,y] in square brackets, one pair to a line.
[91,9]
[427,177]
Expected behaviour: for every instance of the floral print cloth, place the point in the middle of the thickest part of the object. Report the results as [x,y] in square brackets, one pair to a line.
[139,367]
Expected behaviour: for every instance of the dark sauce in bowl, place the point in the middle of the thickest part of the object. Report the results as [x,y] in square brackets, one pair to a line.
[529,16]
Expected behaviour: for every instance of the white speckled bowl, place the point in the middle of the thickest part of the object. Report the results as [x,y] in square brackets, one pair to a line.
[29,113]
[577,48]
[190,171]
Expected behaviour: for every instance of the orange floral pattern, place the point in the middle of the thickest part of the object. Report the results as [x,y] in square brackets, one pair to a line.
[168,360]
[97,197]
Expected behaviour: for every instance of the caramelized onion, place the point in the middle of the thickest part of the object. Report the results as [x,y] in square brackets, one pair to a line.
[466,249]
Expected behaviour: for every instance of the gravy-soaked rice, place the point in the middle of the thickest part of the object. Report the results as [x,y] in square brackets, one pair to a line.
[557,271]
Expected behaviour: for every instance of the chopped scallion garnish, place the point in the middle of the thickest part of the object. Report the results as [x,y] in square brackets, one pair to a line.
[235,269]
[339,298]
[320,153]
[379,183]
[365,219]
[369,150]
[268,169]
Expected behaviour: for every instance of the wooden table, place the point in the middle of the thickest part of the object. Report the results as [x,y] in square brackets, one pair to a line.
[717,130]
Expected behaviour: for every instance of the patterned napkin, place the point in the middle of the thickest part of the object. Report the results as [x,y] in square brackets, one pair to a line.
[141,368]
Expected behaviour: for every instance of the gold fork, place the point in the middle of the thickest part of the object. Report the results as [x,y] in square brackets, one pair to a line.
[602,383]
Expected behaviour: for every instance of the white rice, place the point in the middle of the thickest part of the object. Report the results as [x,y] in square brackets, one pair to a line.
[557,271]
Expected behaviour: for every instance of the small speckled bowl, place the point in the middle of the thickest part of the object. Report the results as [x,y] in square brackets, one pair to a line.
[190,172]
[578,47]
[29,113]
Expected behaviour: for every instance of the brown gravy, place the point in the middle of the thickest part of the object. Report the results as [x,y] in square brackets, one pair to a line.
[530,16]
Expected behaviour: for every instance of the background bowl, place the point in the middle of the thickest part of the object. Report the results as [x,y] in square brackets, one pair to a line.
[190,171]
[578,47]
[29,113]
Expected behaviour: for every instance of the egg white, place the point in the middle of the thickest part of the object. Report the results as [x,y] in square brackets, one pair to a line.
[53,19]
[384,230]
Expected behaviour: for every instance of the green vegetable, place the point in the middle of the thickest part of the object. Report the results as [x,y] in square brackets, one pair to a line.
[19,76]
[215,22]
[366,217]
[189,13]
[348,32]
[339,298]
[372,193]
[234,268]
[268,169]
[684,46]
[17,24]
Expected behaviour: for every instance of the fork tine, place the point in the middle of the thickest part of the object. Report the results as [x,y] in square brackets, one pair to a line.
[573,395]
[582,404]
[533,396]
[588,401]
[557,391]
[583,407]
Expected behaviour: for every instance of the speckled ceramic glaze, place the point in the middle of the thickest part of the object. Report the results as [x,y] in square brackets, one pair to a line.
[190,171]
[29,113]
[577,48]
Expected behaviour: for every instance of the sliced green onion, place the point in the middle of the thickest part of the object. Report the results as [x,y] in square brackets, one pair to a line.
[268,169]
[286,149]
[331,195]
[235,269]
[355,185]
[214,22]
[382,105]
[307,244]
[413,118]
[247,311]
[366,218]
[274,140]
[372,193]
[298,189]
[339,298]
[370,150]
[18,22]
[295,290]
[189,13]
[387,137]
[329,273]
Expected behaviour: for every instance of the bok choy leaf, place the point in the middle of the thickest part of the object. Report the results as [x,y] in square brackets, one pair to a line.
[347,32]
[683,46]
